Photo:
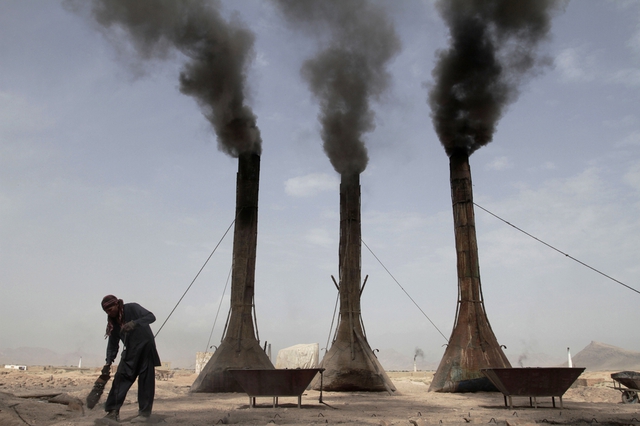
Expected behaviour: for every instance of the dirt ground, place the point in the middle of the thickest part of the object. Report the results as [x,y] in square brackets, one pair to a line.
[56,396]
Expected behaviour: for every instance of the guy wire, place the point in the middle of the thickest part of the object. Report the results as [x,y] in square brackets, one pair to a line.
[405,291]
[195,278]
[219,306]
[561,252]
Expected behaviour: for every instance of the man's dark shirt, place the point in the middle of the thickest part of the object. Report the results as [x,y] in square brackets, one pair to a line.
[138,343]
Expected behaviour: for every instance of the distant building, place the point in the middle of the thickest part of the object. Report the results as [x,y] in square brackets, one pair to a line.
[16,367]
[201,360]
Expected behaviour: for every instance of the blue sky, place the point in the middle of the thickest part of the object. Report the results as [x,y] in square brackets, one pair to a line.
[111,182]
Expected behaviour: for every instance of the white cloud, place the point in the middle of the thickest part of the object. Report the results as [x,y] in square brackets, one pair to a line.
[261,59]
[320,237]
[629,77]
[549,165]
[584,186]
[18,115]
[632,139]
[499,163]
[310,185]
[396,223]
[575,66]
[634,42]
[626,121]
[632,177]
[575,214]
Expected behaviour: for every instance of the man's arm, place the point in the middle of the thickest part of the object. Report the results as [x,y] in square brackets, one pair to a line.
[140,316]
[113,346]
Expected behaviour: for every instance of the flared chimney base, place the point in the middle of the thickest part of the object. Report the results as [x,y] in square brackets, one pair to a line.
[347,373]
[214,377]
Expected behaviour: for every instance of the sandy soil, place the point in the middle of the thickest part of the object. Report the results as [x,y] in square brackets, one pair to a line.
[27,398]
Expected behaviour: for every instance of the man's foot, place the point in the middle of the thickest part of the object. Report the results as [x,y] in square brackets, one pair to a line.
[111,419]
[113,415]
[140,419]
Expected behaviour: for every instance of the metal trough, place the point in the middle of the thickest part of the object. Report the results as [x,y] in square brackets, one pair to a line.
[631,381]
[532,382]
[274,383]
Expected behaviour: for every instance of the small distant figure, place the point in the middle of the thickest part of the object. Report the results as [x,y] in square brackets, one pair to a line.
[129,323]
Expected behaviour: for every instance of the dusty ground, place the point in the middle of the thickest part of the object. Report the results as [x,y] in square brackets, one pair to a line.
[26,399]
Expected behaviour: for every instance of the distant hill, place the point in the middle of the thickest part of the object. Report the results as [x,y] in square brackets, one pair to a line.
[594,357]
[43,356]
[598,356]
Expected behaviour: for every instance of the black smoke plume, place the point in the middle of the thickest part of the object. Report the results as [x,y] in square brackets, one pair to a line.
[521,359]
[217,55]
[418,354]
[347,73]
[493,46]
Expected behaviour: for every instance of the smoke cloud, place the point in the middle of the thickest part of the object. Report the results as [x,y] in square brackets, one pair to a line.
[493,46]
[348,73]
[521,359]
[217,51]
[418,354]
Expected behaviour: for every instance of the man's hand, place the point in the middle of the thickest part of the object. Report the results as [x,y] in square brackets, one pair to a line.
[106,369]
[128,327]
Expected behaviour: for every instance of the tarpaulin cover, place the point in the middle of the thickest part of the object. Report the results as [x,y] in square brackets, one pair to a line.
[298,356]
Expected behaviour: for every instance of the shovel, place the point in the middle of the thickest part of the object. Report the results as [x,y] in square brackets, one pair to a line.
[98,387]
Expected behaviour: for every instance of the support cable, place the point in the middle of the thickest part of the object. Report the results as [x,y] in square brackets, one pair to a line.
[195,278]
[333,317]
[561,252]
[219,306]
[405,291]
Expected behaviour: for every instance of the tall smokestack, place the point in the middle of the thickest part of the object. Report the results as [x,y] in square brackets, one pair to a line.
[472,344]
[217,53]
[492,49]
[349,72]
[350,364]
[240,347]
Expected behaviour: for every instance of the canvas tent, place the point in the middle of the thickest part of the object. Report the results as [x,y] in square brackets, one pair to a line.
[298,356]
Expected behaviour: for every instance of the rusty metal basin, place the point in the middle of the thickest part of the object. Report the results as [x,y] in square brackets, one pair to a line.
[533,382]
[274,383]
[630,379]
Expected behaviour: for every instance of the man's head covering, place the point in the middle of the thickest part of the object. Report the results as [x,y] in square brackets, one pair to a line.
[107,302]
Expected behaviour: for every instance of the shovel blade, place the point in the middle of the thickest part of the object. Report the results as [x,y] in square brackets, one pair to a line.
[96,391]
